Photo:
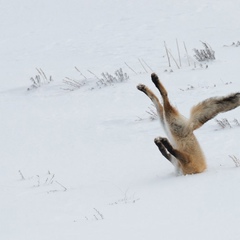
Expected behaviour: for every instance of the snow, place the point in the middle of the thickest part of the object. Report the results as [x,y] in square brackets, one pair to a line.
[82,164]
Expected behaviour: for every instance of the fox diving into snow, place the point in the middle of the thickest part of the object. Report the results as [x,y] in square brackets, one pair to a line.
[185,152]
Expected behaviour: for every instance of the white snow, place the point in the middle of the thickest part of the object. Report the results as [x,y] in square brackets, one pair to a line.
[82,164]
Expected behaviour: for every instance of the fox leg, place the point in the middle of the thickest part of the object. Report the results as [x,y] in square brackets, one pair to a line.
[164,144]
[154,99]
[168,108]
[162,149]
[175,122]
[159,85]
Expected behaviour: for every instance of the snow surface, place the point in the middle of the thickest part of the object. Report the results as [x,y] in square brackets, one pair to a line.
[82,164]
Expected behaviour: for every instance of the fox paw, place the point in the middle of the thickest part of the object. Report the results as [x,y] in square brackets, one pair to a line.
[141,87]
[158,140]
[154,77]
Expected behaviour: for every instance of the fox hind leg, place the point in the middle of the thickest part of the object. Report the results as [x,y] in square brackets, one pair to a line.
[159,85]
[154,99]
[170,111]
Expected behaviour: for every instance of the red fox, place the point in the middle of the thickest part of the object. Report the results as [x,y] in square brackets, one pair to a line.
[185,152]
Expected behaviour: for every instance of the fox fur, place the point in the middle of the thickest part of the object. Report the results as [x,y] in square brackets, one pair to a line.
[185,152]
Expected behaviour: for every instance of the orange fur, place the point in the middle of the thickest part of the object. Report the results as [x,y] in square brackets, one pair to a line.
[185,152]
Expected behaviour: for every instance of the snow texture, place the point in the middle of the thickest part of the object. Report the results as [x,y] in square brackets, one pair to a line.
[82,164]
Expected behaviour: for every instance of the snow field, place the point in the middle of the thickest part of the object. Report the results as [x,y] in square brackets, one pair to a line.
[82,164]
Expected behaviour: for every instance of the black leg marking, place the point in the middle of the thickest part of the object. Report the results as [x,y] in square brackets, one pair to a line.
[176,153]
[141,87]
[162,149]
[154,78]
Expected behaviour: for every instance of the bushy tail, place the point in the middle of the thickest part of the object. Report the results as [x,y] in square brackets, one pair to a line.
[211,107]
